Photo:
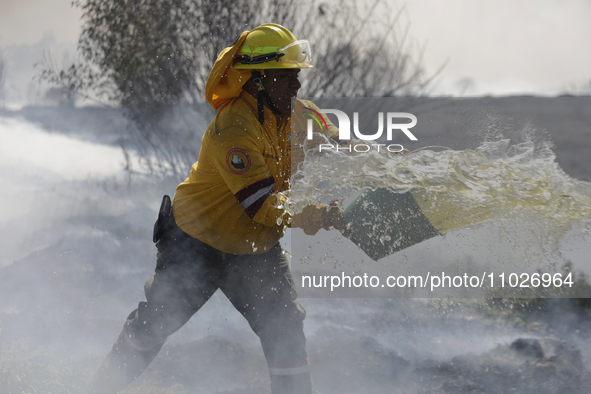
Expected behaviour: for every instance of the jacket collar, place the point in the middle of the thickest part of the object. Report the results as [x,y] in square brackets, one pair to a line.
[270,118]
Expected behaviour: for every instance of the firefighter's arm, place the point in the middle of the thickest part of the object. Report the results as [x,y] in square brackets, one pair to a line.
[243,168]
[238,158]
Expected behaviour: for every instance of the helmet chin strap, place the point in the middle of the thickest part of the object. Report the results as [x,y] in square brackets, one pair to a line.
[263,95]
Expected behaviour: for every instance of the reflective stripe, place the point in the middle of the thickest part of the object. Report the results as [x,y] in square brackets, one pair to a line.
[253,198]
[258,50]
[289,371]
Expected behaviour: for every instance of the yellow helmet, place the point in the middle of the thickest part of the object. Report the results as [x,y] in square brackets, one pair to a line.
[272,46]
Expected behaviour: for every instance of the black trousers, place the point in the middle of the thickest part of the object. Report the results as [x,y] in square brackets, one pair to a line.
[187,274]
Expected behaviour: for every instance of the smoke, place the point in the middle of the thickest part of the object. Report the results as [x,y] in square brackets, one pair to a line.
[76,241]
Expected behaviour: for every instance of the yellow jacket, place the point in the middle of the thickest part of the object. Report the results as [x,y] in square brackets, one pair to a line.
[232,199]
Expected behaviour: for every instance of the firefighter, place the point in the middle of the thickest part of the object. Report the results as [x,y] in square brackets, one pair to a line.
[222,229]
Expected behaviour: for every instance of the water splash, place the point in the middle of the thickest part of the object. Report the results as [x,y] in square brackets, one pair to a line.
[497,180]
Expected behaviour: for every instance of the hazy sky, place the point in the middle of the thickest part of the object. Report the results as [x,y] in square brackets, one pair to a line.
[502,46]
[507,45]
[25,21]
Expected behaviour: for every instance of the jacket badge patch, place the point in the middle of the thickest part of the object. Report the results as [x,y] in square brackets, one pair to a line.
[238,161]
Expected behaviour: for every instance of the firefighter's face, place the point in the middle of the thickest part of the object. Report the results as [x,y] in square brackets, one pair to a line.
[282,85]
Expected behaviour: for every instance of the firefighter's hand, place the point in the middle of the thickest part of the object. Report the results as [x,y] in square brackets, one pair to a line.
[332,217]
